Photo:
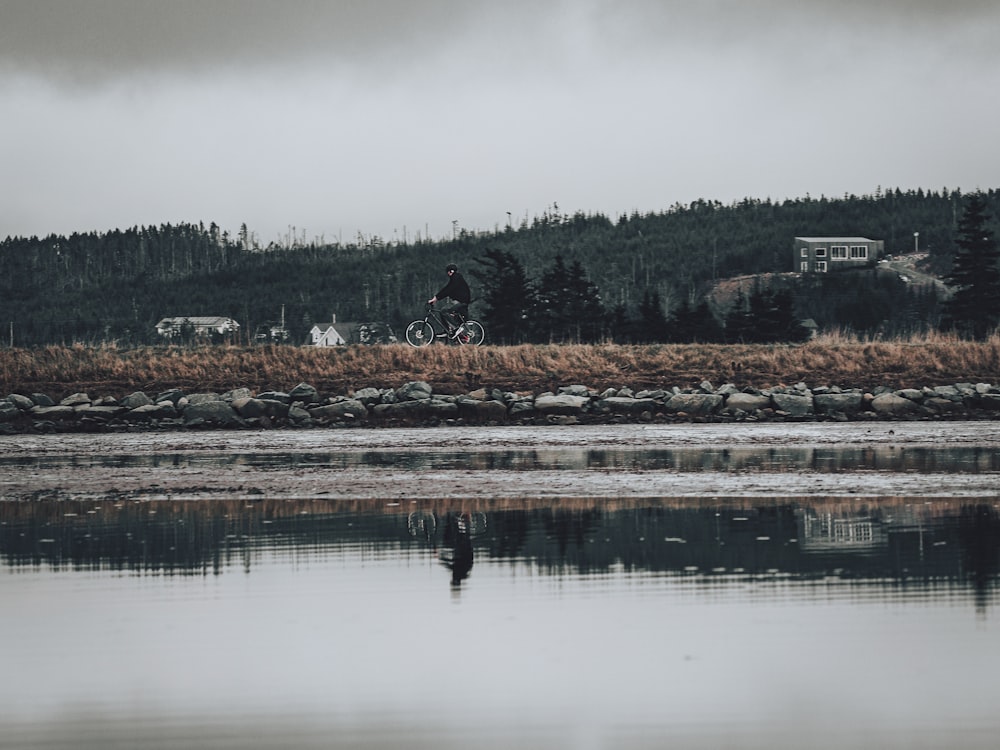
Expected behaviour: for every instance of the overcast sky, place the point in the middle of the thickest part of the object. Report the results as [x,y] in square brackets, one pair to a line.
[402,116]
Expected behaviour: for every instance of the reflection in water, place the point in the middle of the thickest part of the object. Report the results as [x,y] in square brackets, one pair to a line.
[823,459]
[951,542]
[585,623]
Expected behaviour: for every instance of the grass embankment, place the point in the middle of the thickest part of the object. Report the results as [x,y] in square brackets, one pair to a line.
[830,360]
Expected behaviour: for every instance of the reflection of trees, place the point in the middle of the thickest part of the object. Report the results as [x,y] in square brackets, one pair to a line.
[892,541]
[979,532]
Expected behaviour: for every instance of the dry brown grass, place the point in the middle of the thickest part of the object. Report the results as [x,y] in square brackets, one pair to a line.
[829,360]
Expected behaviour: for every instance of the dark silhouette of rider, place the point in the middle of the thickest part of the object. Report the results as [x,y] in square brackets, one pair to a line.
[456,289]
[458,540]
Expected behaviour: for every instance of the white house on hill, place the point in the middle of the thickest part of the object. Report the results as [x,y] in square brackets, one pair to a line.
[823,254]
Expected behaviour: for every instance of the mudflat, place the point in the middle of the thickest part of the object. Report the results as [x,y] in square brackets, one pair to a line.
[459,462]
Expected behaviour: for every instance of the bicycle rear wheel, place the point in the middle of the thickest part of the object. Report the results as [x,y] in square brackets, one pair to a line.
[475,332]
[419,333]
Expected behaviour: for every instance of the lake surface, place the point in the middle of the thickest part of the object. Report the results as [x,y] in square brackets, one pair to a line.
[691,620]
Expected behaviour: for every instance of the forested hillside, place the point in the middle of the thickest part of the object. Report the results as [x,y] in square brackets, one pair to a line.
[115,286]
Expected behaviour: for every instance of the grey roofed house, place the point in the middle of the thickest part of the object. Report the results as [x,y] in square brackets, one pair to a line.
[823,254]
[203,325]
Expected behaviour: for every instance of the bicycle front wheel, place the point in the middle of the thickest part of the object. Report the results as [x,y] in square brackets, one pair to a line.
[475,332]
[419,333]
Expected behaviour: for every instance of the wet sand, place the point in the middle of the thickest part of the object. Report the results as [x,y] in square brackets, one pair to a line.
[196,465]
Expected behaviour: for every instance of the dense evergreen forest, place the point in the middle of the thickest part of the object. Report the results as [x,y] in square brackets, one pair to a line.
[639,277]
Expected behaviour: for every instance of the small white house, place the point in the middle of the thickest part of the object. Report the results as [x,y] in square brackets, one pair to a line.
[199,325]
[332,334]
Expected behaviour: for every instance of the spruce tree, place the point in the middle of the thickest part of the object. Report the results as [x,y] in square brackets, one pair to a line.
[508,297]
[974,310]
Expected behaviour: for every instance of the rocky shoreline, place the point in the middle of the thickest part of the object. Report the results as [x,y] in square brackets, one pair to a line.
[415,404]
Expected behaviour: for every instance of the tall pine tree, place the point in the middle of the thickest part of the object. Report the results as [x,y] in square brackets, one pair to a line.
[974,310]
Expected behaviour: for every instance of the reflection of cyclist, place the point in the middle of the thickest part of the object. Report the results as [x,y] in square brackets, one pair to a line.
[458,537]
[457,289]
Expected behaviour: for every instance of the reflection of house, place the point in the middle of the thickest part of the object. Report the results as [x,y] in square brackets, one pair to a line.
[197,325]
[822,254]
[825,532]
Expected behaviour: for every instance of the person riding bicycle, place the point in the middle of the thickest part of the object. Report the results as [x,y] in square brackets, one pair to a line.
[457,289]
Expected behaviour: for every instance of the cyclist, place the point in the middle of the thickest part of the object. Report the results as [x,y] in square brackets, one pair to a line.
[457,289]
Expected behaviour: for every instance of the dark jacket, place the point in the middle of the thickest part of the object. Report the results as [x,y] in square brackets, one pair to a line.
[456,289]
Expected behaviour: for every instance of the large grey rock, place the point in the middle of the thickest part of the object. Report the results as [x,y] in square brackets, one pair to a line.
[299,416]
[148,412]
[574,390]
[889,404]
[41,399]
[53,412]
[102,413]
[216,412]
[624,405]
[476,410]
[747,402]
[173,395]
[21,402]
[368,396]
[416,410]
[346,409]
[202,398]
[695,404]
[561,404]
[236,394]
[252,408]
[8,411]
[75,399]
[413,391]
[275,396]
[793,404]
[136,399]
[944,406]
[305,393]
[846,403]
[520,409]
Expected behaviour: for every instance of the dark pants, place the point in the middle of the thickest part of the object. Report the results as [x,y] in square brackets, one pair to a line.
[457,313]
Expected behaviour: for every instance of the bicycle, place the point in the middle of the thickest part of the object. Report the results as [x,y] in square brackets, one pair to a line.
[434,326]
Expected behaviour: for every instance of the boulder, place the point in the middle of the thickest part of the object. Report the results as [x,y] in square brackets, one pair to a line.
[416,410]
[40,399]
[147,412]
[368,396]
[202,398]
[625,405]
[575,390]
[237,393]
[695,404]
[136,399]
[747,402]
[476,410]
[252,408]
[216,412]
[347,409]
[844,403]
[172,395]
[561,404]
[8,411]
[21,402]
[274,396]
[75,399]
[413,391]
[299,416]
[53,412]
[891,405]
[793,404]
[305,393]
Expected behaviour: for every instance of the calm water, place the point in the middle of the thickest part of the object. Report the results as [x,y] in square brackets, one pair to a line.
[585,623]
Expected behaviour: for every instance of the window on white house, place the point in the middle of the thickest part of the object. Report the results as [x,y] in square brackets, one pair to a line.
[838,252]
[804,266]
[820,252]
[821,266]
[859,252]
[804,252]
